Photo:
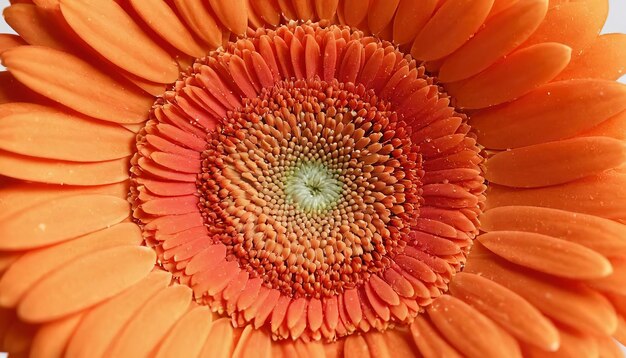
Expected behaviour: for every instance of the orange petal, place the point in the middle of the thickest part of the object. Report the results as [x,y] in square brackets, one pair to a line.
[411,17]
[562,300]
[458,323]
[304,9]
[604,58]
[588,15]
[162,20]
[287,10]
[269,11]
[539,116]
[355,11]
[109,30]
[384,291]
[501,34]
[356,347]
[512,312]
[102,324]
[37,26]
[8,41]
[63,136]
[12,91]
[381,13]
[76,84]
[19,196]
[400,343]
[429,342]
[615,282]
[35,265]
[326,9]
[188,334]
[599,234]
[376,344]
[449,28]
[62,172]
[608,193]
[60,220]
[608,348]
[253,343]
[502,82]
[555,162]
[18,338]
[200,21]
[220,341]
[232,13]
[614,127]
[573,344]
[85,282]
[52,338]
[151,323]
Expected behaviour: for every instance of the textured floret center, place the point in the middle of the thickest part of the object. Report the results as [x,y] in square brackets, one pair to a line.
[312,187]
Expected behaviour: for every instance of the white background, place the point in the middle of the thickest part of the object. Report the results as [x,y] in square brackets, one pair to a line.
[615,23]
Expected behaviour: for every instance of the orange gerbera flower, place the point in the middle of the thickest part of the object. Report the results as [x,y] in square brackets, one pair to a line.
[324,178]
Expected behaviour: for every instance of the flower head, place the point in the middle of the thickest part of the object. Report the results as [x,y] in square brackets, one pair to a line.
[327,178]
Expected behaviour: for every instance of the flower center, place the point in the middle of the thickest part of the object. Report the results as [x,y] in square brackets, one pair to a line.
[312,187]
[316,183]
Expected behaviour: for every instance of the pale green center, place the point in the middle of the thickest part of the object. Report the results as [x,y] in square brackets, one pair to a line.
[312,187]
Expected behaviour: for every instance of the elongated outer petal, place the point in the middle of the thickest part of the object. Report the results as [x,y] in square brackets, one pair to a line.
[564,301]
[76,84]
[253,343]
[458,323]
[198,18]
[429,342]
[162,19]
[188,335]
[220,341]
[36,264]
[107,28]
[614,127]
[608,191]
[604,58]
[85,282]
[326,9]
[63,136]
[444,33]
[355,11]
[555,162]
[380,14]
[615,282]
[501,35]
[148,327]
[599,234]
[547,254]
[232,13]
[19,196]
[573,344]
[356,346]
[589,17]
[411,17]
[52,338]
[103,323]
[539,116]
[61,220]
[504,81]
[36,26]
[8,41]
[63,172]
[506,308]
